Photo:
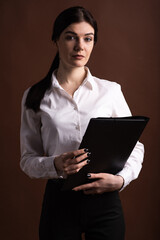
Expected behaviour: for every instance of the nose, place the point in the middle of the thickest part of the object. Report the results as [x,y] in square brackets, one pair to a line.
[79,45]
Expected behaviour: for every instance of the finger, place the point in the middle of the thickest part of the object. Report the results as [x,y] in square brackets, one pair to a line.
[76,159]
[80,158]
[83,187]
[95,175]
[80,154]
[74,168]
[73,154]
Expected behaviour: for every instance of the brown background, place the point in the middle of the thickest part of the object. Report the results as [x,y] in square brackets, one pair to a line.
[127,52]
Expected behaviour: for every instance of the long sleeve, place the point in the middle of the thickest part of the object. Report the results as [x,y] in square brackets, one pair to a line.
[33,160]
[133,165]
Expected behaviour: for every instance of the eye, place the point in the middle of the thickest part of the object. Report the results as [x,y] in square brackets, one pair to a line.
[70,38]
[88,39]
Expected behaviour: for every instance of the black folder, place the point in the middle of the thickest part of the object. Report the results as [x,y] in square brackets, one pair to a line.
[110,141]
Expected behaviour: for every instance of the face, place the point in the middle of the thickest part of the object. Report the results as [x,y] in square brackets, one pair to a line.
[75,44]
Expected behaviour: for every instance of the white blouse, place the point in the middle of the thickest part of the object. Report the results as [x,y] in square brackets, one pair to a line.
[61,123]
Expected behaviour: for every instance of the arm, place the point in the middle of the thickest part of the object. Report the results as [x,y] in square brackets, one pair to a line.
[33,160]
[133,165]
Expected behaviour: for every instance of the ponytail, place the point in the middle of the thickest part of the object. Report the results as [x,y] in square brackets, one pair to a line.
[37,91]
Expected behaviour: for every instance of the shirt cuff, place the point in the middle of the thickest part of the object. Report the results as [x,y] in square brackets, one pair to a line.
[125,173]
[51,170]
[60,174]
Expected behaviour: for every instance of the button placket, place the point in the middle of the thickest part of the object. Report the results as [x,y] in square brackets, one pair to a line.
[77,119]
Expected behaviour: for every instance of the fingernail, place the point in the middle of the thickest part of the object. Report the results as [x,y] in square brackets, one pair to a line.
[88,160]
[88,175]
[89,154]
[86,150]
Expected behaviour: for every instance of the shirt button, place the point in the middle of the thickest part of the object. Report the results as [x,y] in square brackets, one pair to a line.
[78,127]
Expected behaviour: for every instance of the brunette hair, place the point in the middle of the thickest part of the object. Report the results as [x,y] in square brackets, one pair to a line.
[71,15]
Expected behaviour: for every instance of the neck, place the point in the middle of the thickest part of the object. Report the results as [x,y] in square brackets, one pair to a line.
[74,76]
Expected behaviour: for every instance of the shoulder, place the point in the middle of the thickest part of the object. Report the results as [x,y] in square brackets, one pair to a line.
[24,96]
[106,84]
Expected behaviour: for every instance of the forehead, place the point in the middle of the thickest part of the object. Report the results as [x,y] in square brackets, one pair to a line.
[81,28]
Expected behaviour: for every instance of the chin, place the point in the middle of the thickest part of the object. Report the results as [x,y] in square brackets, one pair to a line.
[79,64]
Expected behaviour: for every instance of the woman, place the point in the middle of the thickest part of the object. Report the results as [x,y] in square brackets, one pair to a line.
[55,115]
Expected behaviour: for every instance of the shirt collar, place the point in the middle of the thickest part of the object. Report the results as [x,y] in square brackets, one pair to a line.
[88,81]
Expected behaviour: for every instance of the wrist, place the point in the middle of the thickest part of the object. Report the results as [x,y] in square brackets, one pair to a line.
[55,163]
[59,172]
[120,182]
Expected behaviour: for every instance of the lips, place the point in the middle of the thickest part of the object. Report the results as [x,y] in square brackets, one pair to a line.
[78,57]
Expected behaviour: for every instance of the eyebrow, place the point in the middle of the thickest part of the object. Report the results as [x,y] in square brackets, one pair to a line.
[77,34]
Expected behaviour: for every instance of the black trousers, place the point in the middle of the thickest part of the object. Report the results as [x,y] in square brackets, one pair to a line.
[65,215]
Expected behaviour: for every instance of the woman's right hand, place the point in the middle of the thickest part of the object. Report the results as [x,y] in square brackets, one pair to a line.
[71,162]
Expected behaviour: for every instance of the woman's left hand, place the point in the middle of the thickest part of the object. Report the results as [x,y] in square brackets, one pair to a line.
[104,182]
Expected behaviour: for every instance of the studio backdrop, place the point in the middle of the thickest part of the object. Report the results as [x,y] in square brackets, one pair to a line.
[127,52]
